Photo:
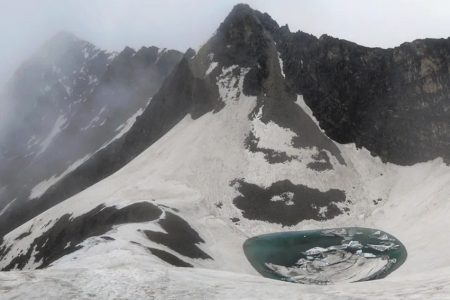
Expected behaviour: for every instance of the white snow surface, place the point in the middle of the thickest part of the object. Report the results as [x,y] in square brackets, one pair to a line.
[98,120]
[280,60]
[211,67]
[122,129]
[190,169]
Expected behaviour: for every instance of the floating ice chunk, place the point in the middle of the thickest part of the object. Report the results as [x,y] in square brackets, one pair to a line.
[369,255]
[315,251]
[336,247]
[341,266]
[365,254]
[353,245]
[384,247]
[329,232]
[303,261]
[319,263]
[335,232]
[384,237]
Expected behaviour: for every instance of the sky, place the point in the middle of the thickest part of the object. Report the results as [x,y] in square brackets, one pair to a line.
[179,24]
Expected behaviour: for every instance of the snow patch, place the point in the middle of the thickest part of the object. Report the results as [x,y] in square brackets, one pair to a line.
[161,52]
[272,136]
[4,209]
[301,102]
[95,122]
[57,128]
[281,65]
[284,197]
[231,85]
[38,190]
[85,52]
[211,67]
[122,129]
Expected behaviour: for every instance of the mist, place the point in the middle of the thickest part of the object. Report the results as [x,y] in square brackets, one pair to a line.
[179,24]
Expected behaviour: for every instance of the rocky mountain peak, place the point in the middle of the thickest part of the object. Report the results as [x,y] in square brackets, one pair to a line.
[242,36]
[190,53]
[127,52]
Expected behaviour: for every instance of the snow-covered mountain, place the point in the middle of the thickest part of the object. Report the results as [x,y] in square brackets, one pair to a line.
[236,143]
[70,100]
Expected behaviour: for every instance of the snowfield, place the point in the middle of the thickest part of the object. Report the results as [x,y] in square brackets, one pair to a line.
[189,171]
[141,279]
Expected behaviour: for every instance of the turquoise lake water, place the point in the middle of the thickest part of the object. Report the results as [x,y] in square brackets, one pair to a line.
[326,256]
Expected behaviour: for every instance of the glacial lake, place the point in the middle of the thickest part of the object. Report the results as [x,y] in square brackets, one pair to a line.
[326,256]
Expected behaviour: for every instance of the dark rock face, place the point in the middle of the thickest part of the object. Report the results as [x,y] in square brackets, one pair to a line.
[286,203]
[165,256]
[180,237]
[240,38]
[67,232]
[394,102]
[169,258]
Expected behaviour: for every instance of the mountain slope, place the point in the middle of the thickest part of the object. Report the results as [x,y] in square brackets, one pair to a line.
[227,149]
[71,99]
[371,97]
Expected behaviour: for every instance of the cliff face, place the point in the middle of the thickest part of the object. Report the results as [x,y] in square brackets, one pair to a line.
[394,102]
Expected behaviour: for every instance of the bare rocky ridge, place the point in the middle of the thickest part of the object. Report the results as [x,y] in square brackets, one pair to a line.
[394,102]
